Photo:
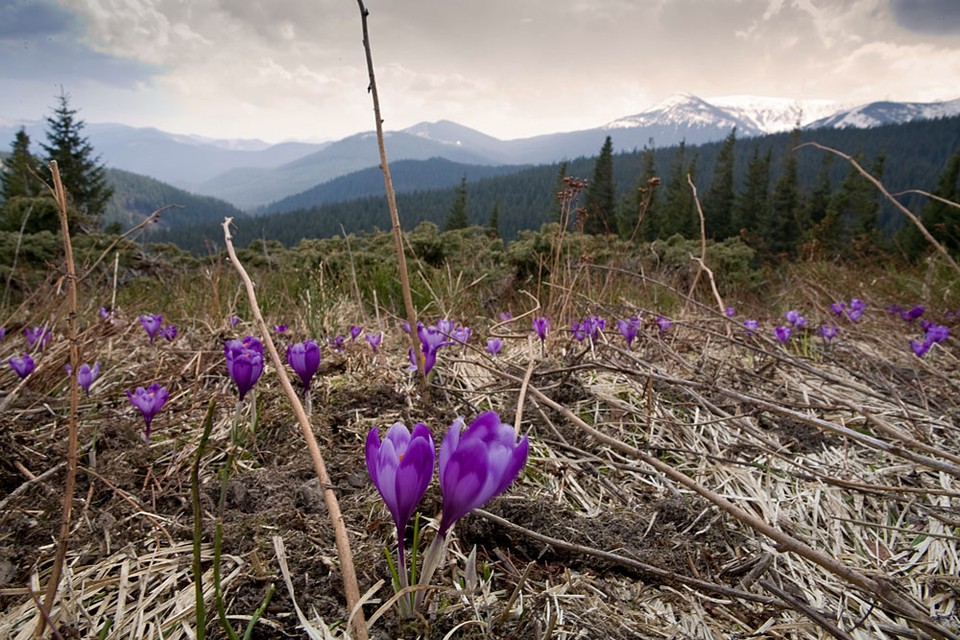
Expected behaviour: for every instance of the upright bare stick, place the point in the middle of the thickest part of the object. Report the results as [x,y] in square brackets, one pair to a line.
[60,195]
[703,251]
[350,587]
[392,201]
[879,185]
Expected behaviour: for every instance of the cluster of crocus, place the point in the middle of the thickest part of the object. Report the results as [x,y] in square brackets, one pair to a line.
[796,320]
[168,332]
[432,339]
[829,331]
[913,313]
[37,336]
[86,375]
[304,359]
[629,328]
[475,465]
[244,362]
[934,334]
[149,401]
[588,327]
[22,365]
[853,311]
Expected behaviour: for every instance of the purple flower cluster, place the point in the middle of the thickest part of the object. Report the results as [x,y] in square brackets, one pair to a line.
[153,325]
[794,318]
[433,338]
[853,311]
[588,328]
[37,336]
[934,334]
[475,465]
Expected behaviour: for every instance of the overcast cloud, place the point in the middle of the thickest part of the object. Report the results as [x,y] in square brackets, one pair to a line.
[295,68]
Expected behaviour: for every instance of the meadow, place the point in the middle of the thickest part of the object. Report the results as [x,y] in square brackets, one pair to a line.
[773,453]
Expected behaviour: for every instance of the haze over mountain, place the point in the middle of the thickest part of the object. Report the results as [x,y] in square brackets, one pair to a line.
[251,174]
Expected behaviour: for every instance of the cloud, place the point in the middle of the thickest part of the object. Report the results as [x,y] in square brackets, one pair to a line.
[937,17]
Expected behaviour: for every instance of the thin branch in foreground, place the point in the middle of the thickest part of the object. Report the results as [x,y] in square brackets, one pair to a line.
[350,586]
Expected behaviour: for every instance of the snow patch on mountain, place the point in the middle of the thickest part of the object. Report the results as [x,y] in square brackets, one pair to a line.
[773,115]
[681,110]
[876,114]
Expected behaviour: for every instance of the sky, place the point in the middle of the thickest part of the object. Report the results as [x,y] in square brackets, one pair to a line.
[295,69]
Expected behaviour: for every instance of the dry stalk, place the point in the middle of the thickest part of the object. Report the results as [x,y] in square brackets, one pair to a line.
[702,260]
[71,480]
[392,202]
[350,586]
[879,185]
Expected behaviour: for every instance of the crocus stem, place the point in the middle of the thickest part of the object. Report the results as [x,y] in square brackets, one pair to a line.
[308,401]
[431,562]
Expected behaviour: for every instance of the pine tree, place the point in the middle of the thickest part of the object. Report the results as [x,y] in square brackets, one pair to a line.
[940,219]
[853,212]
[600,202]
[679,213]
[494,224]
[781,228]
[753,201]
[458,212]
[21,172]
[84,178]
[720,197]
[27,203]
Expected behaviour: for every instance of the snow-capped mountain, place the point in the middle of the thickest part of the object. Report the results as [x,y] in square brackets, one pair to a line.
[875,114]
[773,115]
[686,111]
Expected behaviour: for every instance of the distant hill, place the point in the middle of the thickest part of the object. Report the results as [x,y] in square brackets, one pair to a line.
[135,197]
[915,155]
[406,175]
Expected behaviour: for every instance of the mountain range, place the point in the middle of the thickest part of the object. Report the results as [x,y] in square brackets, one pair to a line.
[252,174]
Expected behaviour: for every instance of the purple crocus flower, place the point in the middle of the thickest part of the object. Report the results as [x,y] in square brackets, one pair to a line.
[3,332]
[664,323]
[920,348]
[304,359]
[86,375]
[729,312]
[579,331]
[151,324]
[374,339]
[541,325]
[234,321]
[169,332]
[244,362]
[280,328]
[829,331]
[431,341]
[24,365]
[401,467]
[750,326]
[104,313]
[37,336]
[355,332]
[895,309]
[937,333]
[494,346]
[793,317]
[462,334]
[593,326]
[445,326]
[506,316]
[857,307]
[149,401]
[782,334]
[914,313]
[336,343]
[477,464]
[838,307]
[629,328]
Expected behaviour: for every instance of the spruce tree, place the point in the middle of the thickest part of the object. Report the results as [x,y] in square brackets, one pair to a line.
[678,214]
[83,176]
[27,203]
[21,172]
[753,201]
[781,228]
[941,219]
[601,202]
[719,199]
[457,219]
[494,224]
[853,212]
